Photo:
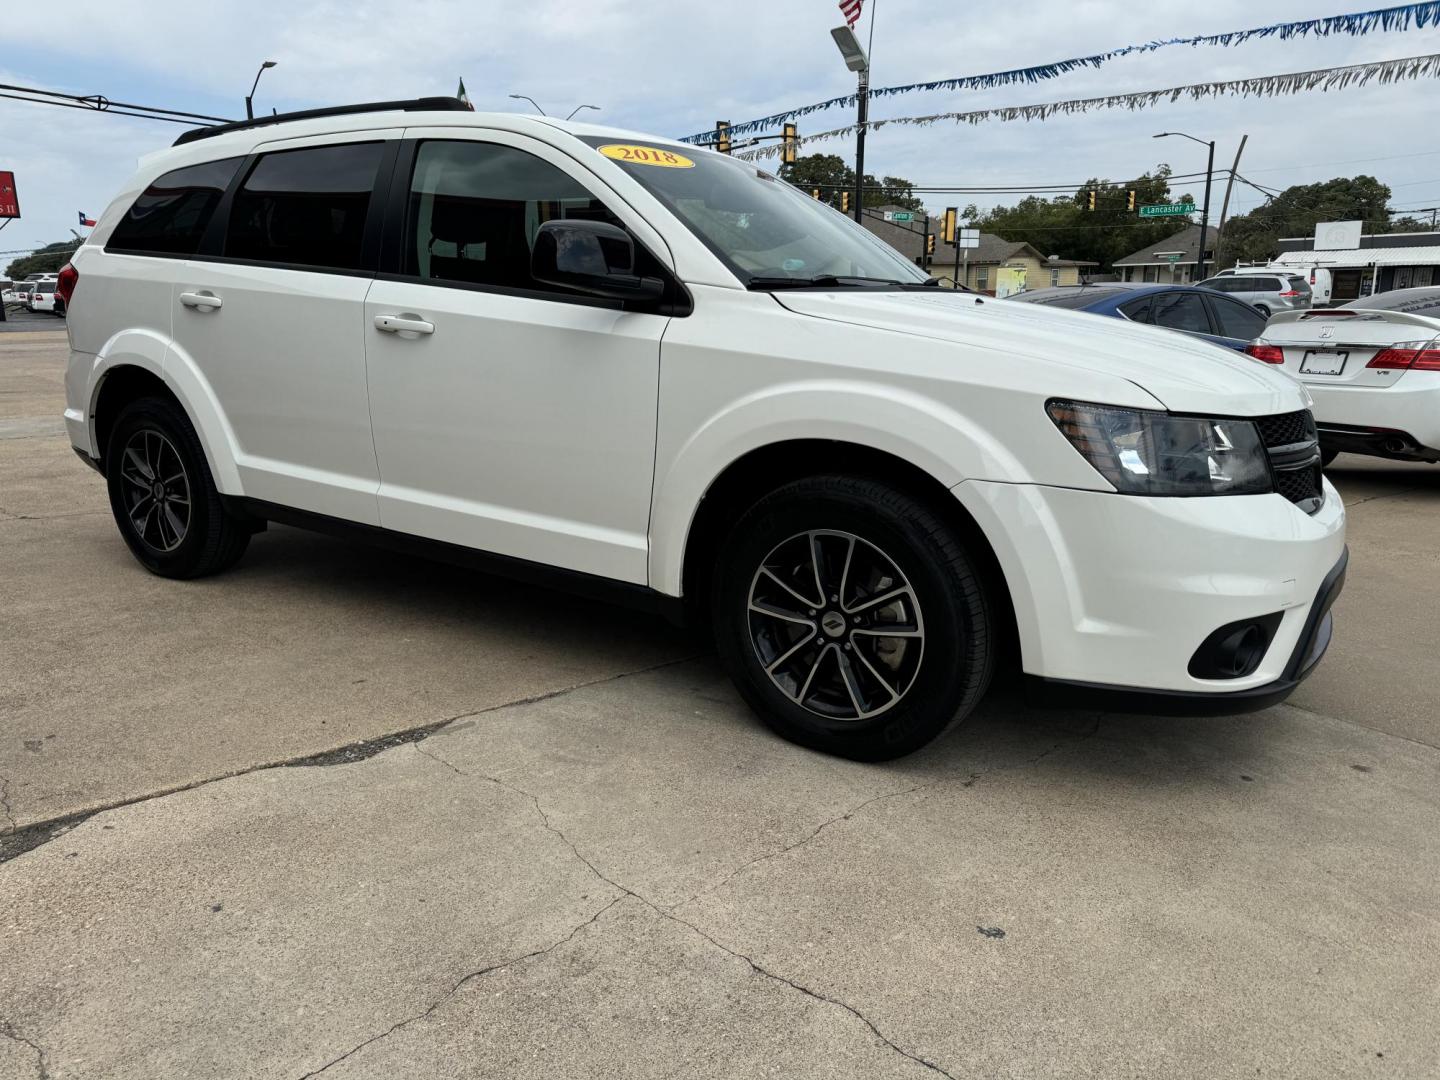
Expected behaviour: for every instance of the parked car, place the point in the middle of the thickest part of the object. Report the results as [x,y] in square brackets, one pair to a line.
[43,297]
[1199,312]
[1266,291]
[635,367]
[1373,369]
[1318,278]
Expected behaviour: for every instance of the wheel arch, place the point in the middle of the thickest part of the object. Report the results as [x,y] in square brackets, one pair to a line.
[755,474]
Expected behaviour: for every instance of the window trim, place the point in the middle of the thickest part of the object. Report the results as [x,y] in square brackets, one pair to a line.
[677,301]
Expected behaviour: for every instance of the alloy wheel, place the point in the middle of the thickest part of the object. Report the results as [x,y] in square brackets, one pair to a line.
[155,490]
[836,625]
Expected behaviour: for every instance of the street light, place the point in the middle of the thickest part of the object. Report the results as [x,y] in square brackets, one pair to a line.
[531,100]
[1205,213]
[249,109]
[856,61]
[578,108]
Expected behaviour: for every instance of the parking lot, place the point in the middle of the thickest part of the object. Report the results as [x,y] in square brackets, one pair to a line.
[563,848]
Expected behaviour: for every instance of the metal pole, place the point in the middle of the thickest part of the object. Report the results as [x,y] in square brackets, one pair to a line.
[957,252]
[1205,217]
[860,139]
[1225,202]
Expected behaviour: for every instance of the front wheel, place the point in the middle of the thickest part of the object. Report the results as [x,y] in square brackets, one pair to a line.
[852,618]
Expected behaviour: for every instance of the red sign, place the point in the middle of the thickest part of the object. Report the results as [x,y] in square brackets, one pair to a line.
[9,201]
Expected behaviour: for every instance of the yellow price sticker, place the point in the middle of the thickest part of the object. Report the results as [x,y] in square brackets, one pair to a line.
[647,155]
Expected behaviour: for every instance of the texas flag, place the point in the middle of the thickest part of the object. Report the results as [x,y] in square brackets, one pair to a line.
[89,223]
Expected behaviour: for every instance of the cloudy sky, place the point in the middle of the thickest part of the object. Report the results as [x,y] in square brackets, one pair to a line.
[674,68]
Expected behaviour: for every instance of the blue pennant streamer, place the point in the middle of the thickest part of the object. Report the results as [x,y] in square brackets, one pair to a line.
[1403,17]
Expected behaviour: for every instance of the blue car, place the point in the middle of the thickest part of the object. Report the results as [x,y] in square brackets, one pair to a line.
[1202,312]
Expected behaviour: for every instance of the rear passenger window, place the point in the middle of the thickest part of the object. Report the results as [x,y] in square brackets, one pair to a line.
[475,209]
[1237,319]
[1180,311]
[170,217]
[1137,310]
[305,207]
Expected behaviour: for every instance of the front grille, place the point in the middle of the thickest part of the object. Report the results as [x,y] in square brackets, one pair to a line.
[1294,451]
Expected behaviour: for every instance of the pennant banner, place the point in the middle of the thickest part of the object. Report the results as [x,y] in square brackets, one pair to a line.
[1403,17]
[1336,78]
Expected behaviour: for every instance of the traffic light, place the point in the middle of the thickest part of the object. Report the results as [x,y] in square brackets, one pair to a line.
[722,136]
[815,193]
[930,243]
[1090,200]
[947,227]
[789,142]
[1130,202]
[844,202]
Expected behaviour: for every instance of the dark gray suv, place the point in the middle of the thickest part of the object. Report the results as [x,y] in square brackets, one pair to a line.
[1267,291]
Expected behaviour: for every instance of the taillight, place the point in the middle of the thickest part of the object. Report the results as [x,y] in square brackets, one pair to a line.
[1291,293]
[65,282]
[1269,354]
[1407,356]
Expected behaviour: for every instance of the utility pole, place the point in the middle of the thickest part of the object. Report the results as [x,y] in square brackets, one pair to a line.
[1225,203]
[1205,213]
[860,140]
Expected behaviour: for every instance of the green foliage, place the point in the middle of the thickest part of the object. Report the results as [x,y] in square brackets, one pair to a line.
[1065,226]
[46,260]
[830,173]
[1295,211]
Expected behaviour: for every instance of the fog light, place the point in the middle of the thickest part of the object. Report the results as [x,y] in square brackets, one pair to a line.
[1236,649]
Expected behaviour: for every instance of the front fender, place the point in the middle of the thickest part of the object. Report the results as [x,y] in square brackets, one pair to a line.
[150,352]
[944,443]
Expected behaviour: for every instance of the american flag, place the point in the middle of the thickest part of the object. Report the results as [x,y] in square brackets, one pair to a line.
[851,10]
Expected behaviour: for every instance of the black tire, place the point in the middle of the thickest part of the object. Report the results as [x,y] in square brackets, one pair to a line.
[1263,310]
[159,433]
[942,596]
[1327,456]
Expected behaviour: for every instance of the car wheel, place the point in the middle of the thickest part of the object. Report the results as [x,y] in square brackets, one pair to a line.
[1263,310]
[163,496]
[852,618]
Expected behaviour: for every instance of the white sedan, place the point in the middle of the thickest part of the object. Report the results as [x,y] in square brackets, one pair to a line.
[1373,368]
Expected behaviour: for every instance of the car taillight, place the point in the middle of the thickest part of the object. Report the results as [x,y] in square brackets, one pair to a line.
[1269,354]
[1407,356]
[65,282]
[1291,293]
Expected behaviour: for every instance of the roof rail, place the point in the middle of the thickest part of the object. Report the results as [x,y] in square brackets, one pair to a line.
[425,104]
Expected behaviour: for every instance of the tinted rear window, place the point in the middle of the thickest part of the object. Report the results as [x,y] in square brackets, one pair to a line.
[1299,284]
[305,207]
[170,217]
[1412,301]
[1067,298]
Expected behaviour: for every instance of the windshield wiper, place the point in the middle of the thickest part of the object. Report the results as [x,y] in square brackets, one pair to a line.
[822,281]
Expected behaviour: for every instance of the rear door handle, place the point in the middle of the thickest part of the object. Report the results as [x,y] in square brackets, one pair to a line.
[403,324]
[201,301]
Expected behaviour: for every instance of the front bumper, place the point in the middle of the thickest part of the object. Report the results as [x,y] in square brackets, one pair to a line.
[1120,591]
[1314,640]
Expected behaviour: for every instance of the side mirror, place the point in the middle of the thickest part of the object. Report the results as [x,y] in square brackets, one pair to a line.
[592,257]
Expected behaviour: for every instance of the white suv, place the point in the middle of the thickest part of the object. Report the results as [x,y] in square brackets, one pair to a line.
[617,361]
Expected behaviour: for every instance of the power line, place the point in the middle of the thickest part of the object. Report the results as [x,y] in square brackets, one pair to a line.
[100,103]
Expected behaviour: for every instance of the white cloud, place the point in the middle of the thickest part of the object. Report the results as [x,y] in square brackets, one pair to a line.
[675,68]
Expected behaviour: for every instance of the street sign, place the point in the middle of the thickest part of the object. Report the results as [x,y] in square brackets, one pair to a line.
[9,201]
[899,215]
[1172,259]
[968,238]
[1167,210]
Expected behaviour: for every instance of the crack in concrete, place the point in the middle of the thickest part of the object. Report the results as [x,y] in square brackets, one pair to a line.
[5,804]
[1350,504]
[17,837]
[470,977]
[669,914]
[9,1033]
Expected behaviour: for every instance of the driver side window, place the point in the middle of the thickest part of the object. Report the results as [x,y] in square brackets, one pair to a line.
[474,210]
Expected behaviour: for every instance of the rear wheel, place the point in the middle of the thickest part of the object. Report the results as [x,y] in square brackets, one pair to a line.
[163,497]
[851,618]
[1263,310]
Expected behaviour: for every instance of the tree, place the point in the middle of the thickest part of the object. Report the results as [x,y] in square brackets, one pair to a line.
[45,260]
[1297,210]
[831,175]
[1065,225]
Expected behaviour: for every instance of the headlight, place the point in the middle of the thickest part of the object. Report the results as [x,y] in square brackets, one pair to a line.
[1154,453]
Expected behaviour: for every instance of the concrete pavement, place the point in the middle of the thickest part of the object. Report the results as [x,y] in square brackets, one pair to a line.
[602,866]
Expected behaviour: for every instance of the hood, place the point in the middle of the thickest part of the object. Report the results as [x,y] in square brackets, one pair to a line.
[1186,374]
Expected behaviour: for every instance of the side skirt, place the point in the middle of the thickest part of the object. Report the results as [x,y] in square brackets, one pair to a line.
[591,586]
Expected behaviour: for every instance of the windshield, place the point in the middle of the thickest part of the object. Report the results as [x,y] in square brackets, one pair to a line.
[766,231]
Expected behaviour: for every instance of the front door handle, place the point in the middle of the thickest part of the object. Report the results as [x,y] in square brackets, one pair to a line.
[201,301]
[403,324]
